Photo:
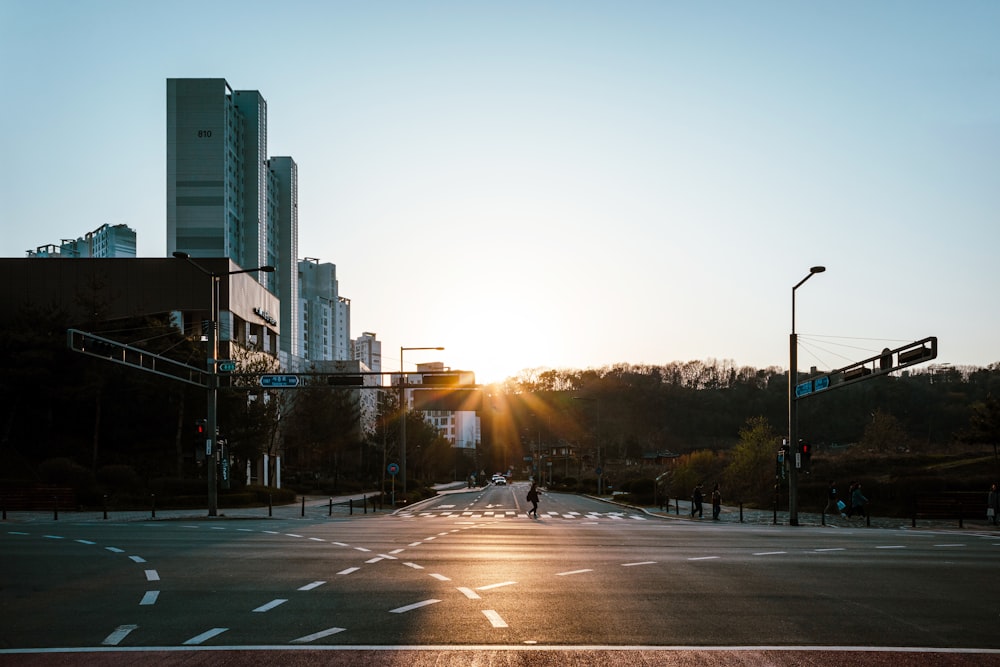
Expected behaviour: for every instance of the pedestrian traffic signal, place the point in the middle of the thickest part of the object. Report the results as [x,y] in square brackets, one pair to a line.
[201,427]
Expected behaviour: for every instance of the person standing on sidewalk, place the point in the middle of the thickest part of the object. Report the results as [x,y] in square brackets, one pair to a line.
[696,499]
[716,503]
[858,501]
[993,504]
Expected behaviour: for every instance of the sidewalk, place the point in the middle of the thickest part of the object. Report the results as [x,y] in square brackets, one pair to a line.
[731,514]
[313,507]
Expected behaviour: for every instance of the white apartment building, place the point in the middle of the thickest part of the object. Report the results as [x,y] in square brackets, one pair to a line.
[325,316]
[105,241]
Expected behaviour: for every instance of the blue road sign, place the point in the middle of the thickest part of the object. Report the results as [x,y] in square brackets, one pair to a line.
[821,383]
[393,469]
[804,389]
[279,381]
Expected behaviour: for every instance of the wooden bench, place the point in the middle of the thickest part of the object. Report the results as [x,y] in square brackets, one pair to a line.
[956,505]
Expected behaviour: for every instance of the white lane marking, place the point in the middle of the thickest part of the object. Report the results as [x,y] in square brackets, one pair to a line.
[704,558]
[949,545]
[411,607]
[770,553]
[388,557]
[414,566]
[53,537]
[17,532]
[270,605]
[349,570]
[414,544]
[271,532]
[831,549]
[428,539]
[492,586]
[373,560]
[114,550]
[317,635]
[86,542]
[645,562]
[149,598]
[152,575]
[397,551]
[469,593]
[317,539]
[137,559]
[292,535]
[205,636]
[244,530]
[566,574]
[440,577]
[895,546]
[309,587]
[118,635]
[340,544]
[367,551]
[495,620]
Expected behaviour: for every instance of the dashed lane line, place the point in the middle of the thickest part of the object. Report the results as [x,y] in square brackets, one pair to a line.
[411,607]
[149,598]
[120,633]
[469,593]
[270,605]
[309,587]
[317,635]
[495,619]
[490,587]
[205,636]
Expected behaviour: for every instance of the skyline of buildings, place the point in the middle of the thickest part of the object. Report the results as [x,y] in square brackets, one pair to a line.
[227,198]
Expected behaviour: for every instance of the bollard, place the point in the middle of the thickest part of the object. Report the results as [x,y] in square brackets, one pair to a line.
[303,506]
[3,504]
[153,501]
[269,504]
[104,505]
[55,508]
[330,513]
[677,505]
[365,500]
[741,511]
[350,505]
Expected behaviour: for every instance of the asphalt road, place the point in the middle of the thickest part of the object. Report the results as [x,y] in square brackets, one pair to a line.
[468,577]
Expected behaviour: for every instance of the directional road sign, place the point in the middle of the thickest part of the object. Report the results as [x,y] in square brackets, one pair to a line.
[279,381]
[227,366]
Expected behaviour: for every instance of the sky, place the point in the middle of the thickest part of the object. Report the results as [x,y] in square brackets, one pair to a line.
[560,185]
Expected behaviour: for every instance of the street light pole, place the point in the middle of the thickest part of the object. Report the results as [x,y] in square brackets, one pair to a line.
[793,416]
[211,418]
[403,410]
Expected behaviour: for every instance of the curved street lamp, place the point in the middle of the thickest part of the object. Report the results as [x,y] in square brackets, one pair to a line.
[213,377]
[793,426]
